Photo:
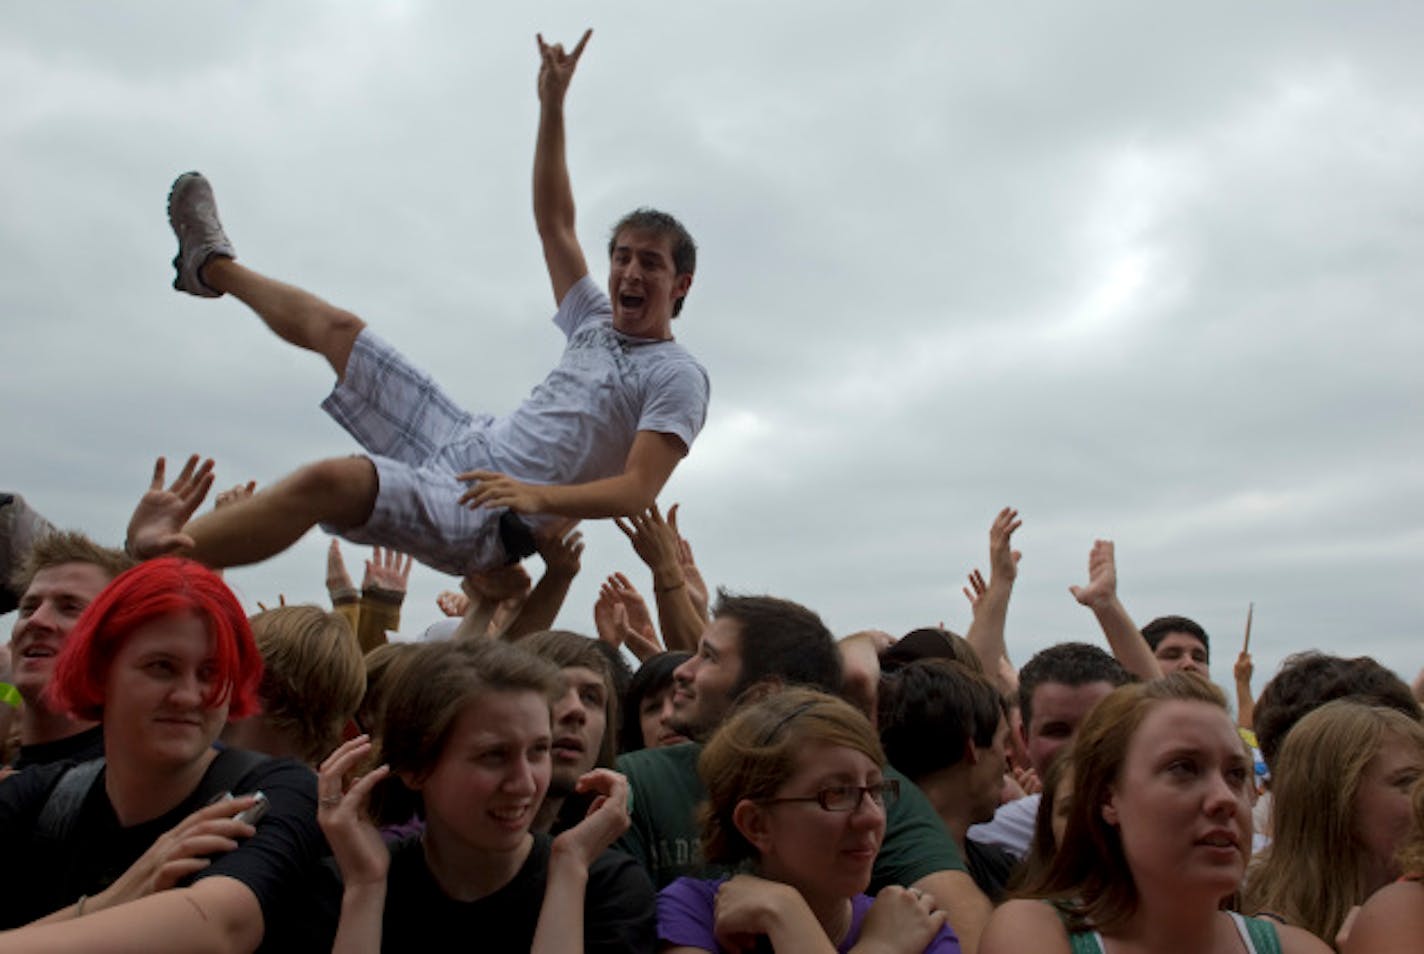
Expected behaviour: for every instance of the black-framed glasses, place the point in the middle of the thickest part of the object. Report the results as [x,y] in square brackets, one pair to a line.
[846,798]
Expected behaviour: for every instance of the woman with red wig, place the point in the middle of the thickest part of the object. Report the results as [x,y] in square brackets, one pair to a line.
[142,850]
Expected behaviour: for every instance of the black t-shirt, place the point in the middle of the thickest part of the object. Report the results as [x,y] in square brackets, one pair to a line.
[990,866]
[277,864]
[80,747]
[618,906]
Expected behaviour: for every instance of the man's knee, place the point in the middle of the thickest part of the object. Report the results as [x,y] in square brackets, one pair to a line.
[341,489]
[339,338]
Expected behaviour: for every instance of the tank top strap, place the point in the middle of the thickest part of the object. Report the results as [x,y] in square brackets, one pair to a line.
[1258,934]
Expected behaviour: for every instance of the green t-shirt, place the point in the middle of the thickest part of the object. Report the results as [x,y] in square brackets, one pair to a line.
[664,834]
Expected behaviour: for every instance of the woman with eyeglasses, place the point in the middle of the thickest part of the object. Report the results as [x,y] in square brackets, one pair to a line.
[796,808]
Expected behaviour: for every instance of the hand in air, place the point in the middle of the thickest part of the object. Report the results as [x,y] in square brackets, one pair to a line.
[1003,560]
[618,626]
[653,540]
[156,526]
[232,495]
[696,585]
[561,550]
[556,68]
[1102,577]
[388,570]
[1244,669]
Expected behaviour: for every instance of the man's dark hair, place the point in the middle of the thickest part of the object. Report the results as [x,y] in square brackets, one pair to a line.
[782,641]
[1306,681]
[940,700]
[663,225]
[1157,630]
[1072,664]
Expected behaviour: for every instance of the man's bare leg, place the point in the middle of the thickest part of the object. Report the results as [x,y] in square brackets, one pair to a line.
[205,267]
[340,491]
[294,315]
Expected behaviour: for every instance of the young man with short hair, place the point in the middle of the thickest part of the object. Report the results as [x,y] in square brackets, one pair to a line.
[57,579]
[1180,644]
[1058,687]
[757,644]
[465,493]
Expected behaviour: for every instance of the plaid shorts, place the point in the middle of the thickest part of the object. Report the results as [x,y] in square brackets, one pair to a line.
[418,439]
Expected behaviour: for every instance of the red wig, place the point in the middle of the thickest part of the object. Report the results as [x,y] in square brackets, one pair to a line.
[168,586]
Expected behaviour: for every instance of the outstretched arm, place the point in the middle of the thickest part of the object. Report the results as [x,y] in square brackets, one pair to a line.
[649,465]
[655,542]
[991,607]
[553,196]
[1100,596]
[562,552]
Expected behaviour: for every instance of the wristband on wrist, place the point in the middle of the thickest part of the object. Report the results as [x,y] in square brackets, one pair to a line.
[669,588]
[9,695]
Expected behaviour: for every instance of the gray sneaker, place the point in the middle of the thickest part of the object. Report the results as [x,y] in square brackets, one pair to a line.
[193,213]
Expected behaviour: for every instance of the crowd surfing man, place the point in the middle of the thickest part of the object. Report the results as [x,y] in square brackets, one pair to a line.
[598,438]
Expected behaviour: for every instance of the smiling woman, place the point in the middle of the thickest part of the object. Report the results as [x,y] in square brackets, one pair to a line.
[796,793]
[163,657]
[466,745]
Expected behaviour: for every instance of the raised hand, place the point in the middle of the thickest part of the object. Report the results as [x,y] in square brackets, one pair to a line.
[387,569]
[556,68]
[232,495]
[1102,577]
[498,584]
[156,526]
[562,552]
[179,852]
[360,853]
[453,604]
[611,620]
[337,579]
[493,489]
[1004,561]
[696,585]
[626,593]
[974,592]
[1243,670]
[655,542]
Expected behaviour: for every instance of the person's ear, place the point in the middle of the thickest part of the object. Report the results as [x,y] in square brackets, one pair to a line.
[754,823]
[972,753]
[681,285]
[411,780]
[1109,809]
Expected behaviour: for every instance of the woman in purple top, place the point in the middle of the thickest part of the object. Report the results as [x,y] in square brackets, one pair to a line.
[796,801]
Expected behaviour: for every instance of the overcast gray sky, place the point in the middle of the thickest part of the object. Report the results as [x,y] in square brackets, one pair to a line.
[1144,271]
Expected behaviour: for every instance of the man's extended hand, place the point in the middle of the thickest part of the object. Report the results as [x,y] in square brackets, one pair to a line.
[556,68]
[493,489]
[1102,577]
[156,526]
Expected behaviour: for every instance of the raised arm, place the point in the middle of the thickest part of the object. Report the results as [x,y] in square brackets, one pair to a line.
[1100,595]
[991,608]
[553,196]
[656,544]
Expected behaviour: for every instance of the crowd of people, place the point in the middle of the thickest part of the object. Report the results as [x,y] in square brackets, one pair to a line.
[711,771]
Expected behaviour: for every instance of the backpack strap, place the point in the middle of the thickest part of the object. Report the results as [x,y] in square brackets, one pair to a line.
[229,768]
[61,810]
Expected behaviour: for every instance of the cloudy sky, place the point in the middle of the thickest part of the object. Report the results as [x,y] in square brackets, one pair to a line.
[1144,271]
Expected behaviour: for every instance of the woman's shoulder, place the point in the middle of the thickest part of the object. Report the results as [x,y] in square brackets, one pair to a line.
[1294,940]
[1391,920]
[1024,925]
